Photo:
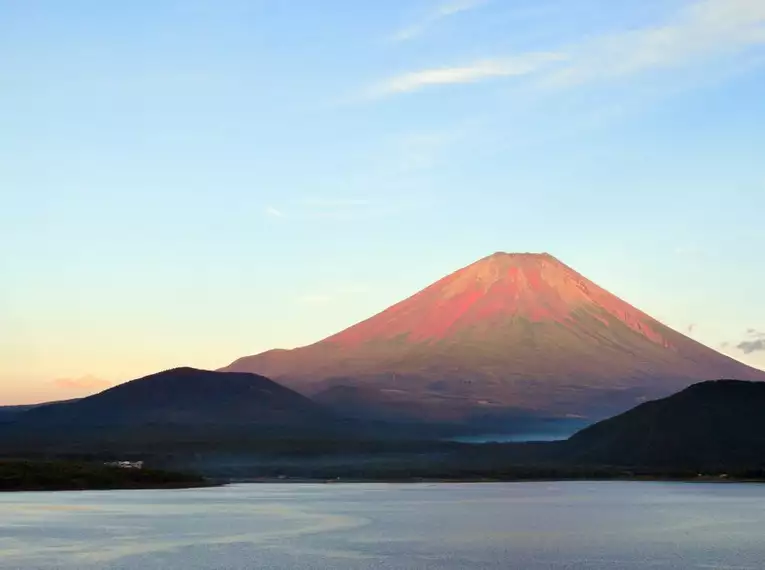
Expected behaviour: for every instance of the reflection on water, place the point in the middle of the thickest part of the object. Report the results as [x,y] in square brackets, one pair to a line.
[377,526]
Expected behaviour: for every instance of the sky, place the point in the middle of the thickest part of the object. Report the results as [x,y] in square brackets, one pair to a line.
[184,182]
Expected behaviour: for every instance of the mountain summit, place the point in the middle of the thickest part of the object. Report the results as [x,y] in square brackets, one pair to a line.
[513,333]
[498,290]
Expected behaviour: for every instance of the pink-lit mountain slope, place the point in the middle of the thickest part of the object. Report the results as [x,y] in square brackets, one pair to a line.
[509,334]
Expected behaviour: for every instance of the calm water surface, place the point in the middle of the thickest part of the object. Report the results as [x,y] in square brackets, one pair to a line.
[526,526]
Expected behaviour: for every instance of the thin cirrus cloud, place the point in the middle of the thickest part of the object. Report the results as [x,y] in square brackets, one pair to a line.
[472,73]
[700,30]
[274,212]
[442,11]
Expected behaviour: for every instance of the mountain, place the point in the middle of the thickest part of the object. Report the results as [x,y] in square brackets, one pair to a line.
[708,425]
[509,335]
[183,396]
[8,413]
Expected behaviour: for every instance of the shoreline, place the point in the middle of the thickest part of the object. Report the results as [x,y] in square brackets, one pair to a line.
[167,487]
[59,475]
[317,481]
[415,481]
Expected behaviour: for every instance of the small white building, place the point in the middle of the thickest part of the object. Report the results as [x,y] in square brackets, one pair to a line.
[126,464]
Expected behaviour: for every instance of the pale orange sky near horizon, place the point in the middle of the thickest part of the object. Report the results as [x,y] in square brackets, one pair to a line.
[41,387]
[97,362]
[189,182]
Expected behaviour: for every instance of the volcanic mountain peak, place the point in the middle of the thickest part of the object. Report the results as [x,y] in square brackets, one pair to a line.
[497,290]
[499,266]
[504,255]
[508,256]
[509,331]
[515,271]
[503,260]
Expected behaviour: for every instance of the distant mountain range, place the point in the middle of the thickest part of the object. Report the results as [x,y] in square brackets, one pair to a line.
[511,335]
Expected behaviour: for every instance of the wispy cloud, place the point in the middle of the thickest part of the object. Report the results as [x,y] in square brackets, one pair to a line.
[701,30]
[698,32]
[87,382]
[471,73]
[274,212]
[755,342]
[440,12]
[750,346]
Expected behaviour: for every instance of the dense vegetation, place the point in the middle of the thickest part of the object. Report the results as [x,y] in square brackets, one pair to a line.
[319,459]
[28,475]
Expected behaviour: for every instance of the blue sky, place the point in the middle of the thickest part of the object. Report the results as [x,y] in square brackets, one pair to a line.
[186,182]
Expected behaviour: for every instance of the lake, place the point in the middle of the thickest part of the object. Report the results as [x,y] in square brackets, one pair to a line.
[525,526]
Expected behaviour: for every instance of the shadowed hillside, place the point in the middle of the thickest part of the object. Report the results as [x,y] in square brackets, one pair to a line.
[8,413]
[712,424]
[184,396]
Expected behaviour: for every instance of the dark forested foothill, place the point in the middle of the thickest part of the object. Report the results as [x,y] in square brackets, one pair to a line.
[711,430]
[28,475]
[716,425]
